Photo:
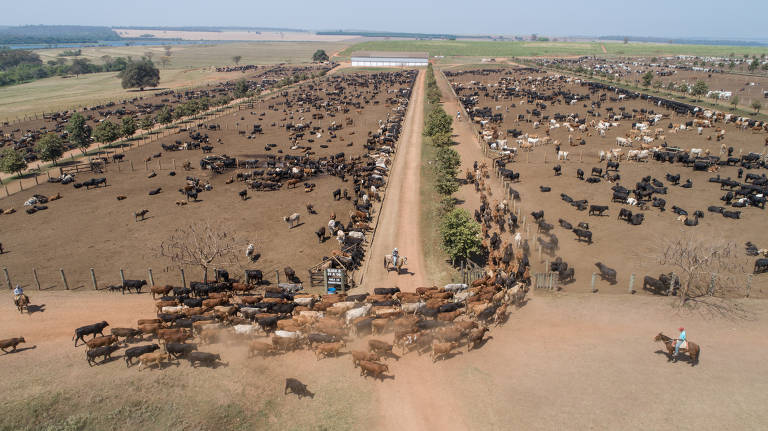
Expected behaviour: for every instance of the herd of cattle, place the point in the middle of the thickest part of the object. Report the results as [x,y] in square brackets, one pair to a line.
[23,135]
[277,320]
[547,103]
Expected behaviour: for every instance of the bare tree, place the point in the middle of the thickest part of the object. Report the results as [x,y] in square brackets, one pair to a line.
[706,267]
[202,245]
[167,49]
[165,61]
[236,59]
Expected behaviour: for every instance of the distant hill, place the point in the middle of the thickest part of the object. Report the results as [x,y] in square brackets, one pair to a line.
[387,34]
[212,29]
[52,34]
[686,41]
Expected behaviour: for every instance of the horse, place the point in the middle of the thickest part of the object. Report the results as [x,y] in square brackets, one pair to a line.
[401,260]
[22,303]
[692,349]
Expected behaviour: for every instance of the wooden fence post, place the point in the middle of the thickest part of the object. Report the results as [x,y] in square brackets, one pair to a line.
[131,165]
[64,278]
[151,278]
[277,274]
[749,284]
[37,280]
[7,278]
[122,277]
[671,284]
[711,290]
[93,280]
[632,283]
[183,279]
[594,279]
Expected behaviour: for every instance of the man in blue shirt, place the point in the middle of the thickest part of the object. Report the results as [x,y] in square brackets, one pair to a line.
[680,340]
[17,292]
[394,257]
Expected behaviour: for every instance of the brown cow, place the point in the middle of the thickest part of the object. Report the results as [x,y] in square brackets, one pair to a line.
[379,325]
[475,337]
[380,347]
[160,290]
[128,333]
[148,321]
[258,348]
[105,340]
[326,349]
[210,303]
[149,328]
[175,338]
[242,287]
[160,304]
[358,356]
[373,369]
[448,316]
[11,343]
[285,344]
[158,358]
[441,349]
[250,299]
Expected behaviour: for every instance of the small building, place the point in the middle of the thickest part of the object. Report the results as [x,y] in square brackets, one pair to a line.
[389,59]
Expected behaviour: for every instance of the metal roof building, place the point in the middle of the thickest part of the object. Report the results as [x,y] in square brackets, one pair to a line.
[389,59]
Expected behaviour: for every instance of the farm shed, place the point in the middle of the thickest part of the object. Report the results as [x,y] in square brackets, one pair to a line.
[389,59]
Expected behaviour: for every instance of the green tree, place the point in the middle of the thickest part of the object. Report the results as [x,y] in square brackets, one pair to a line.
[146,123]
[106,132]
[441,139]
[647,78]
[683,88]
[12,161]
[79,66]
[448,161]
[445,184]
[241,88]
[734,101]
[700,88]
[319,56]
[164,116]
[438,122]
[756,105]
[460,234]
[657,83]
[79,133]
[140,74]
[754,64]
[128,127]
[731,64]
[671,86]
[50,148]
[236,59]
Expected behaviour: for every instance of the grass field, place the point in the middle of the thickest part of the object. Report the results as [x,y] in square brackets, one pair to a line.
[190,66]
[213,54]
[530,49]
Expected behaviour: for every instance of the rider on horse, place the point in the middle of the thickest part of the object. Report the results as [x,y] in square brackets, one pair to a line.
[394,257]
[17,293]
[680,340]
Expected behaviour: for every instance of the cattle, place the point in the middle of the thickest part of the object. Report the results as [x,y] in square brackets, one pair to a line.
[292,220]
[597,172]
[654,285]
[583,233]
[442,350]
[545,189]
[564,224]
[253,276]
[140,215]
[320,234]
[296,387]
[11,343]
[761,265]
[326,349]
[128,333]
[597,209]
[659,203]
[475,337]
[593,180]
[95,328]
[148,359]
[732,214]
[625,214]
[373,369]
[178,349]
[104,351]
[203,358]
[133,284]
[606,273]
[380,347]
[160,290]
[637,219]
[259,348]
[579,174]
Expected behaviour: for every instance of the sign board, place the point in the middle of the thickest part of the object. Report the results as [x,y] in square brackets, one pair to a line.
[334,279]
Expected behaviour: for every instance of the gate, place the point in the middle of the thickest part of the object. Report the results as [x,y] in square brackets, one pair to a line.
[470,272]
[546,280]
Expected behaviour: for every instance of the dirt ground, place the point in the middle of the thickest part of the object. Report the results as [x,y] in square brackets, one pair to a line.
[611,237]
[107,237]
[567,360]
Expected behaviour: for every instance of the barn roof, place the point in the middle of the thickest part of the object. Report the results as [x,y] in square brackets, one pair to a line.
[390,54]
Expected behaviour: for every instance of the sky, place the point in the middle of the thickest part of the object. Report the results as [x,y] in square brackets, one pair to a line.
[712,19]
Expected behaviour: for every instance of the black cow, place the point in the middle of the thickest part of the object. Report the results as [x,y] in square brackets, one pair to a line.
[133,284]
[715,209]
[597,172]
[537,215]
[612,166]
[564,224]
[597,209]
[566,275]
[385,290]
[732,214]
[337,194]
[92,329]
[254,275]
[203,358]
[637,219]
[674,179]
[655,285]
[104,351]
[545,189]
[659,203]
[582,233]
[625,214]
[761,265]
[606,273]
[320,234]
[179,349]
[580,174]
[679,211]
[558,170]
[135,352]
[243,194]
[593,180]
[298,388]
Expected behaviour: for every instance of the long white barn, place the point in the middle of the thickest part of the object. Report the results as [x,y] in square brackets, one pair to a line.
[389,59]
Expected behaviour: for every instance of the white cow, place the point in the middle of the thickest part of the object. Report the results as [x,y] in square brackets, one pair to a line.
[623,142]
[562,155]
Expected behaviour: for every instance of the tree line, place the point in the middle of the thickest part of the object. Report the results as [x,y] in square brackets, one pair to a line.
[18,66]
[459,232]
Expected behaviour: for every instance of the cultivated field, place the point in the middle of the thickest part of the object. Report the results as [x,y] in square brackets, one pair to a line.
[226,35]
[535,49]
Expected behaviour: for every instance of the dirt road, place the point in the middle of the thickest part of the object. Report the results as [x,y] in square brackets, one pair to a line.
[399,221]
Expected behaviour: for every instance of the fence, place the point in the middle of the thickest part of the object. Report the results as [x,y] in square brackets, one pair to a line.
[470,272]
[546,280]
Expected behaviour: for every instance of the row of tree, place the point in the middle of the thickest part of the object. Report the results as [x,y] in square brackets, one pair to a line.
[18,66]
[460,234]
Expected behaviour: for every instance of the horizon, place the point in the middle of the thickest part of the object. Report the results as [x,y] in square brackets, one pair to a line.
[681,20]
